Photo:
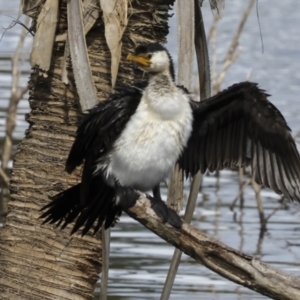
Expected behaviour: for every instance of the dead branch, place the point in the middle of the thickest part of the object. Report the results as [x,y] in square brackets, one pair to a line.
[257,189]
[205,92]
[213,29]
[16,96]
[232,53]
[218,5]
[236,266]
[297,134]
[185,31]
[279,207]
[240,194]
[4,177]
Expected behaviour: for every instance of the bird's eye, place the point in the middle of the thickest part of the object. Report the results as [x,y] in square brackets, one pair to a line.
[149,56]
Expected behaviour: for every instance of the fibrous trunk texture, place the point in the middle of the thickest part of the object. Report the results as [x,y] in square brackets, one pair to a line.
[39,262]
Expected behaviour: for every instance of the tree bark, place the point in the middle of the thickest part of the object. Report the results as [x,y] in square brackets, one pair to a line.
[38,262]
[234,265]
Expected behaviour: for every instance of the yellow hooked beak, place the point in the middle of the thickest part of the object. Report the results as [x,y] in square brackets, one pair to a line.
[140,59]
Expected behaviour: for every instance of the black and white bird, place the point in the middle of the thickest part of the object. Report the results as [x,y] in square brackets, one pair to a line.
[134,138]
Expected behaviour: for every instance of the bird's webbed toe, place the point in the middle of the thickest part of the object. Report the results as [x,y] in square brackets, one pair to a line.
[165,213]
[125,196]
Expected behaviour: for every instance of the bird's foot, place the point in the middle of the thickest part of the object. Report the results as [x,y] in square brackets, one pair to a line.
[125,196]
[165,213]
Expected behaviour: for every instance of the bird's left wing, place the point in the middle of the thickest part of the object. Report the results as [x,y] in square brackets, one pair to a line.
[240,127]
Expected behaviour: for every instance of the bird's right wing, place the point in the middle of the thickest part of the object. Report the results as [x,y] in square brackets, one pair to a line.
[102,124]
[99,129]
[240,127]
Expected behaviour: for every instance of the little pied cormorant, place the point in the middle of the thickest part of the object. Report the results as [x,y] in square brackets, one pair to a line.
[134,138]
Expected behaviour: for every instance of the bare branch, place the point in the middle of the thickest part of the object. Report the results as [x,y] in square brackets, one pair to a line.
[205,90]
[15,97]
[105,262]
[242,188]
[185,31]
[281,206]
[257,189]
[232,54]
[4,177]
[236,266]
[218,5]
[297,134]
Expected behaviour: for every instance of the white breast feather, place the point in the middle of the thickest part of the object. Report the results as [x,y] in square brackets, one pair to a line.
[152,140]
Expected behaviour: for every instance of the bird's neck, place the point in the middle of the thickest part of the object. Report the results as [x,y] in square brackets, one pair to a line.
[162,82]
[162,97]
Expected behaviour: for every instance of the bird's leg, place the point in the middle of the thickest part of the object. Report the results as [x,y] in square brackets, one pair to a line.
[163,211]
[125,196]
[156,192]
[158,205]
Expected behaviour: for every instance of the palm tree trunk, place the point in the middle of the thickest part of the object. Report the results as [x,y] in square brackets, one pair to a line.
[39,262]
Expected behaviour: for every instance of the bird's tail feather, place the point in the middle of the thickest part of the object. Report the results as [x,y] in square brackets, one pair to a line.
[99,207]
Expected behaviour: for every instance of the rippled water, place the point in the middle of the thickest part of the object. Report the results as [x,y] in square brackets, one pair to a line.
[139,259]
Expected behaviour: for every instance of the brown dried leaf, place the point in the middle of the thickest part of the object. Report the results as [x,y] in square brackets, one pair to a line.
[115,20]
[45,34]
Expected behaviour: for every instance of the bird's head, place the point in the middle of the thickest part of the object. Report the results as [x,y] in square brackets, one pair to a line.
[153,58]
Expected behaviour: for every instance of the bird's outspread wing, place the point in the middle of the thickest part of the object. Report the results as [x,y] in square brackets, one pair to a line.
[99,129]
[240,127]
